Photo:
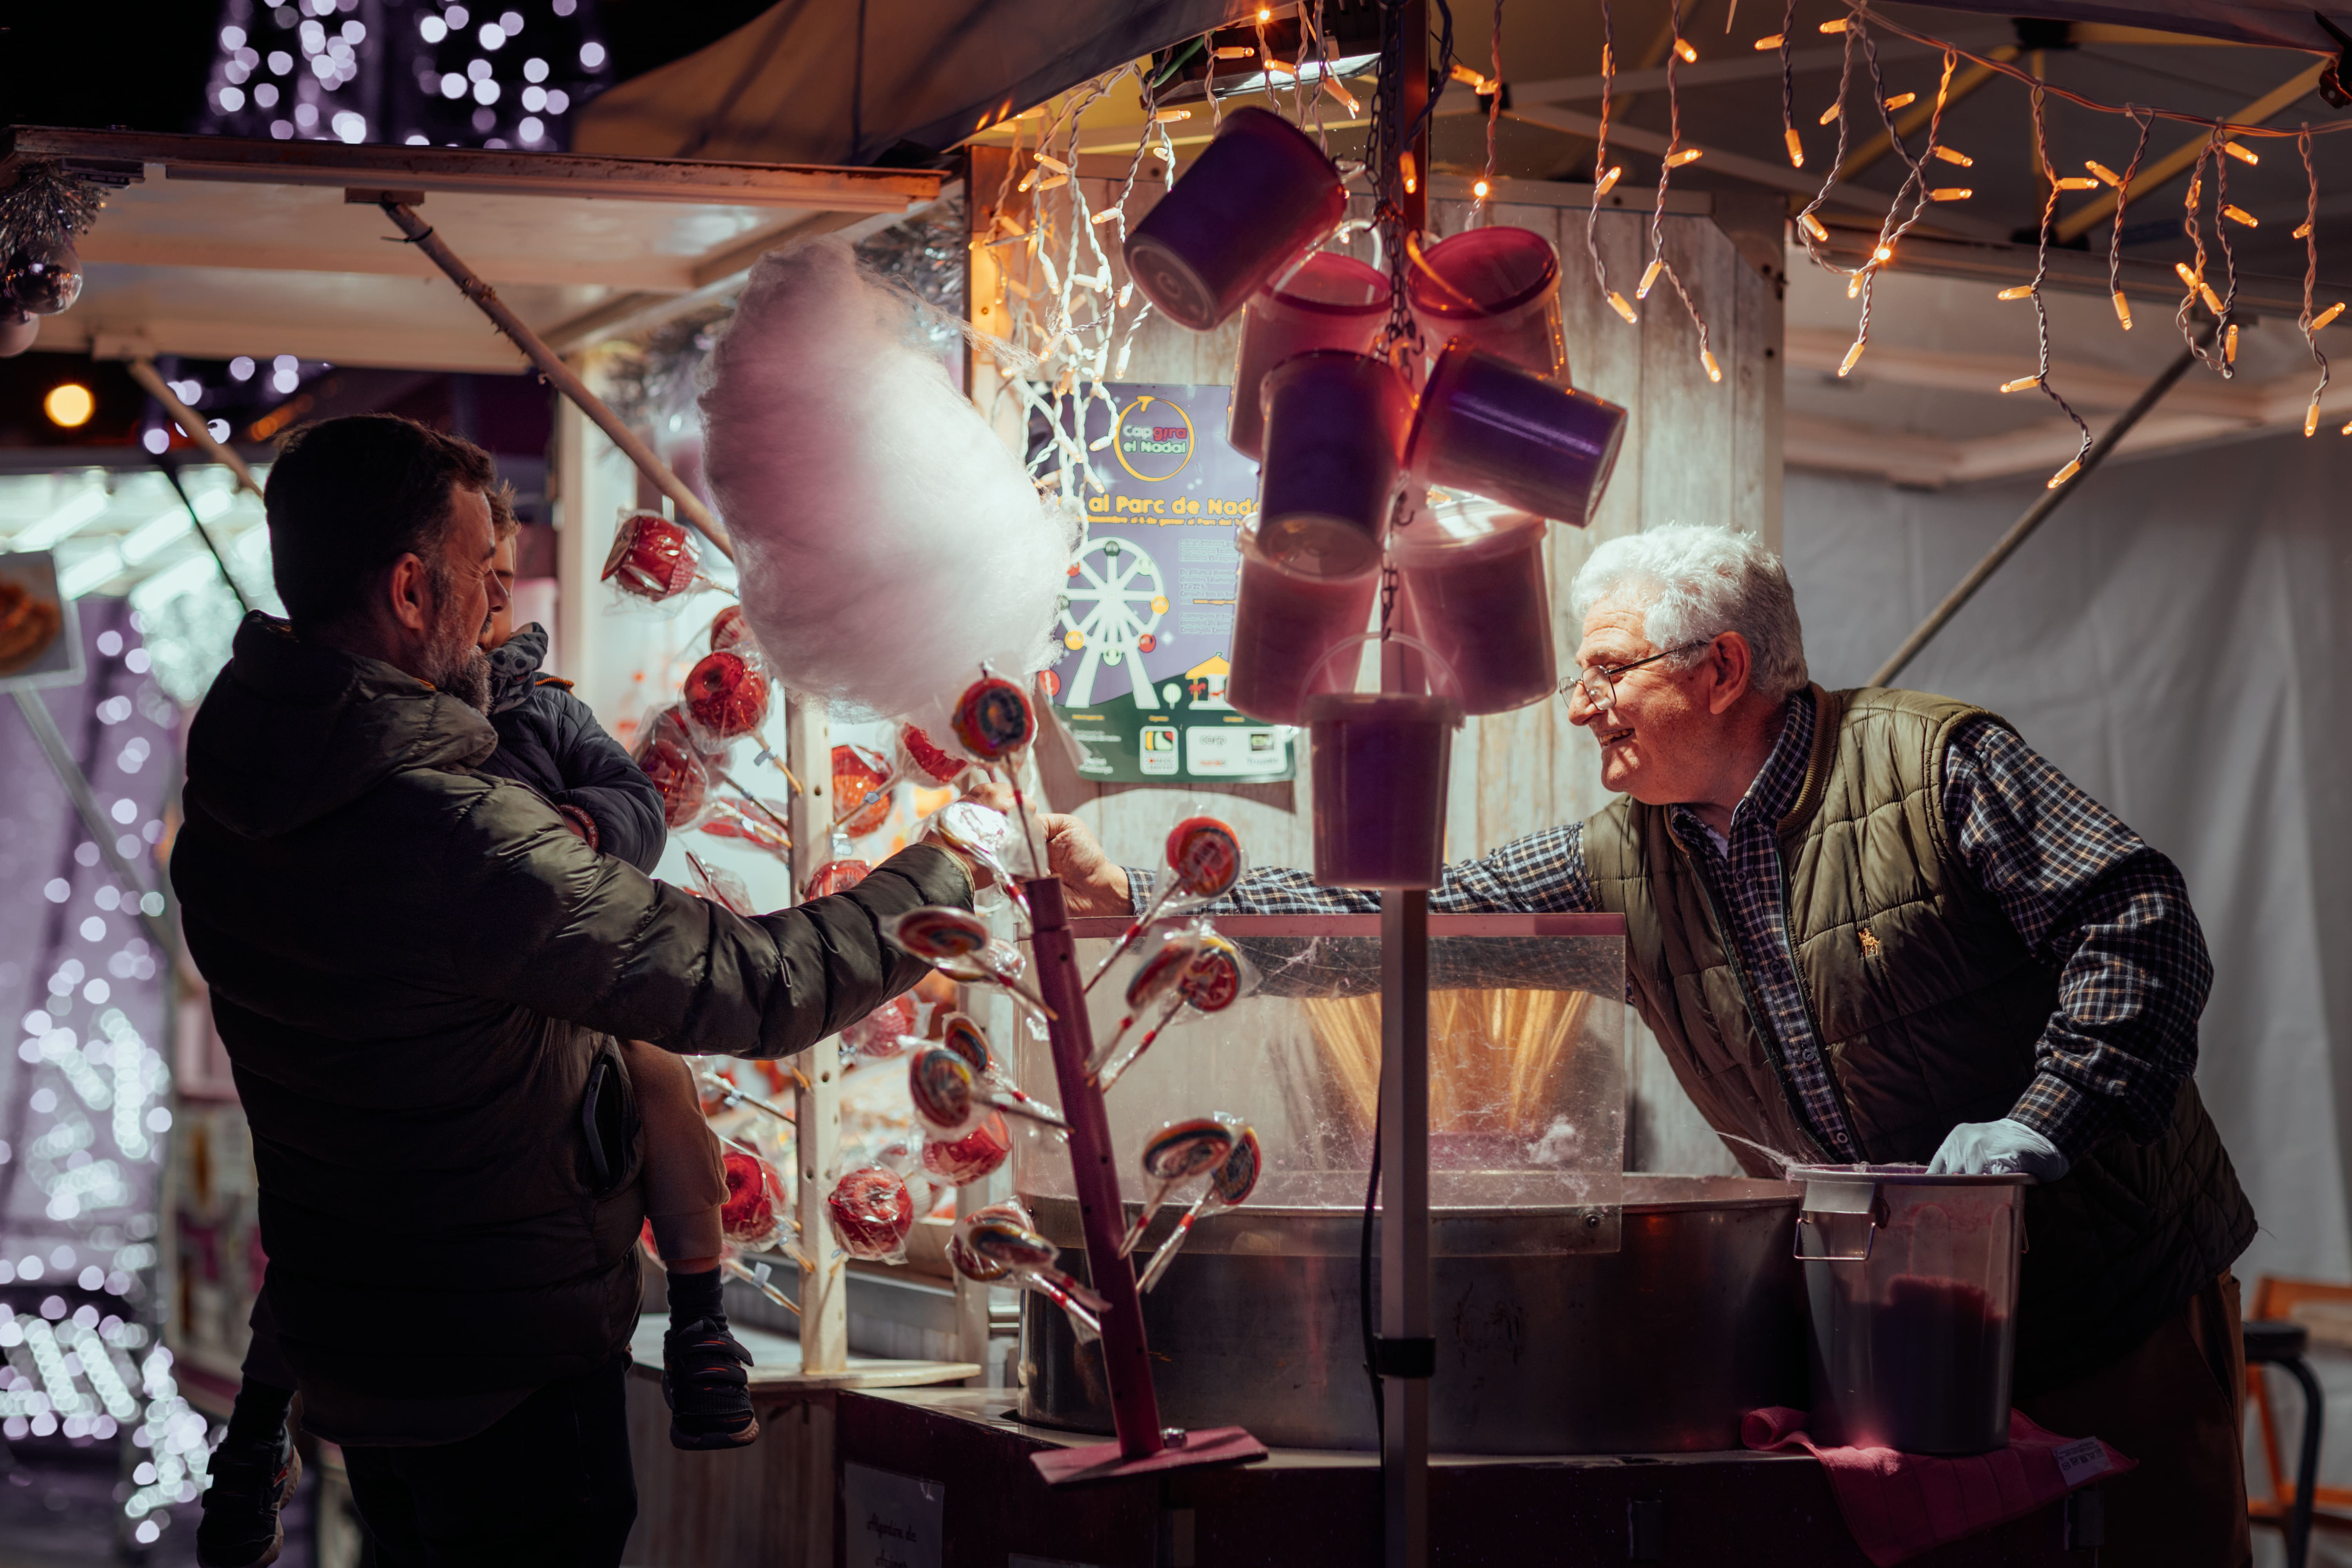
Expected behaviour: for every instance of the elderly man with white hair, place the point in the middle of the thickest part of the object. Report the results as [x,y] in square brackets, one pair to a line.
[1874,926]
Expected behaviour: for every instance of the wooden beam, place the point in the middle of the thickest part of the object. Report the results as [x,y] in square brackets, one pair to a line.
[2161,173]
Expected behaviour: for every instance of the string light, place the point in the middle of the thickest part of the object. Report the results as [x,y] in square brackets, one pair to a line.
[2077,182]
[2115,235]
[2021,382]
[1659,266]
[1830,114]
[2240,154]
[1846,365]
[2241,215]
[1681,157]
[1773,42]
[1714,371]
[1902,101]
[1602,181]
[2303,229]
[1836,26]
[1954,155]
[1812,226]
[1950,193]
[1689,55]
[1796,148]
[1608,182]
[2312,324]
[2123,309]
[1649,277]
[2040,306]
[2229,345]
[2104,173]
[2017,292]
[2326,316]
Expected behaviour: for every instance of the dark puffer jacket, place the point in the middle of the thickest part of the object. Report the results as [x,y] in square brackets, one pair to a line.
[551,740]
[416,970]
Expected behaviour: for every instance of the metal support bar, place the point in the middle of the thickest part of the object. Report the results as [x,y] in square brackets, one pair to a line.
[551,364]
[143,372]
[102,828]
[2034,515]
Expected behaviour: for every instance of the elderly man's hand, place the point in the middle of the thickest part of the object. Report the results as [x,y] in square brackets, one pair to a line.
[1091,884]
[1998,1147]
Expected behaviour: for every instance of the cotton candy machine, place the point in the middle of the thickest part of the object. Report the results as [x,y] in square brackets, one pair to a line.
[1578,1309]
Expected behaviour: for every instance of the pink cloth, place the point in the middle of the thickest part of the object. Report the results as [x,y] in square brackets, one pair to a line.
[1899,1505]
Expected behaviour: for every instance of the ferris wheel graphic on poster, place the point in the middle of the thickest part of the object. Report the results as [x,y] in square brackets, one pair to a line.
[1110,617]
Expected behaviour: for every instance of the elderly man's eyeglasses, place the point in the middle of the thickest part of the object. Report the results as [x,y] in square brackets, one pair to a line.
[1598,679]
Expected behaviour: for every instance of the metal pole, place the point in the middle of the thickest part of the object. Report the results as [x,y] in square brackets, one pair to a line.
[2024,526]
[551,364]
[143,372]
[103,829]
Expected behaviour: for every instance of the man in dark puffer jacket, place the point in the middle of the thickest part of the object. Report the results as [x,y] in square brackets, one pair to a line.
[418,969]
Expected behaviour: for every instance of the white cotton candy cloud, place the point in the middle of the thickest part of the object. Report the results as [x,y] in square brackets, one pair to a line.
[888,542]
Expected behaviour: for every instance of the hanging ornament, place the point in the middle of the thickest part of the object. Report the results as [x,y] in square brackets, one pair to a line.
[41,211]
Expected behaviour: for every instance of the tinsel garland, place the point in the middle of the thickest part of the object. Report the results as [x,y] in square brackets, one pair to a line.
[45,204]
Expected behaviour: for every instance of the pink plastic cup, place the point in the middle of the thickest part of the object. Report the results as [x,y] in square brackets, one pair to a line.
[1486,426]
[1284,622]
[1334,423]
[1258,196]
[1381,762]
[1476,590]
[1330,302]
[1499,289]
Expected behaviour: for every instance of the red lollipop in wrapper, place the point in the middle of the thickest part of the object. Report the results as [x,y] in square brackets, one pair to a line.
[725,698]
[884,1032]
[959,1162]
[861,790]
[924,753]
[752,1213]
[993,720]
[871,1212]
[668,756]
[652,557]
[835,877]
[729,630]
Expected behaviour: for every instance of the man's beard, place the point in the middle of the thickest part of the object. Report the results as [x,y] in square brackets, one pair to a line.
[464,672]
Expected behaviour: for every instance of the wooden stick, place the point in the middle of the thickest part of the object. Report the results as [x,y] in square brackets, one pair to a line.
[560,376]
[142,371]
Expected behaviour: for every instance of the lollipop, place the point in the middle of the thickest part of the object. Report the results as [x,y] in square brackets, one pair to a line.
[1204,861]
[948,1097]
[959,1162]
[667,755]
[835,877]
[1007,1251]
[979,832]
[1160,975]
[753,1212]
[995,723]
[871,1213]
[1211,983]
[729,630]
[884,1033]
[1179,1151]
[861,790]
[1229,1185]
[730,1097]
[963,1036]
[925,757]
[725,698]
[652,557]
[959,944]
[722,888]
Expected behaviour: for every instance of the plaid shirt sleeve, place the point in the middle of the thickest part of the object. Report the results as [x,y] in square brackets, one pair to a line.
[1540,874]
[2109,913]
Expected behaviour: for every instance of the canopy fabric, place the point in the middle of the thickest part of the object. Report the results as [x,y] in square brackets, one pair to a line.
[2284,23]
[828,81]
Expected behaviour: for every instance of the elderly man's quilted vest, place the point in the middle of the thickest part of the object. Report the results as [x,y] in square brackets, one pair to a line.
[1927,1006]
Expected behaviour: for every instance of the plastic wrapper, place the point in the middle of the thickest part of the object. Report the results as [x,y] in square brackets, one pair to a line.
[757,1204]
[994,720]
[1181,1151]
[986,835]
[717,884]
[1204,860]
[1230,1186]
[998,1247]
[960,945]
[666,752]
[978,1154]
[949,1098]
[835,877]
[1192,969]
[732,818]
[653,558]
[862,780]
[730,630]
[871,1213]
[922,757]
[961,1034]
[884,1033]
[725,698]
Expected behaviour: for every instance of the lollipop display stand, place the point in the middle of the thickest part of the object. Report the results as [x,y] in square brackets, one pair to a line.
[1142,1445]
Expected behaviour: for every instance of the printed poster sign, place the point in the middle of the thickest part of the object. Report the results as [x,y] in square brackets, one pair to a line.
[1147,616]
[893,1520]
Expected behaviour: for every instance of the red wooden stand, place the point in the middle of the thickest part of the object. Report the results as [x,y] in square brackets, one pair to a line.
[1143,1446]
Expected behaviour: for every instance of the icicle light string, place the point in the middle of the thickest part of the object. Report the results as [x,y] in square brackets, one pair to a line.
[1898,220]
[2194,286]
[2310,232]
[1810,229]
[1676,155]
[2040,306]
[2115,235]
[2225,330]
[1604,176]
[1494,108]
[1796,143]
[1322,72]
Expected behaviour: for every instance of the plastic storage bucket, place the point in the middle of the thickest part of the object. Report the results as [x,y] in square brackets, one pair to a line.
[1255,197]
[1335,426]
[1486,426]
[1330,302]
[1473,585]
[1911,1280]
[1381,762]
[1498,290]
[1284,622]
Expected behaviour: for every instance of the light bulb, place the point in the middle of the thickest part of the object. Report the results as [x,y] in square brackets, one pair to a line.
[2104,171]
[1053,162]
[2229,345]
[2021,383]
[2302,230]
[1608,182]
[2327,315]
[2123,309]
[1883,254]
[1901,101]
[2075,182]
[2310,417]
[1479,189]
[1714,371]
[1687,155]
[1623,308]
[2241,153]
[2063,475]
[1835,26]
[1773,42]
[1950,193]
[1812,226]
[1689,55]
[1830,114]
[1650,277]
[1796,148]
[2016,292]
[2239,215]
[1953,155]
[1851,354]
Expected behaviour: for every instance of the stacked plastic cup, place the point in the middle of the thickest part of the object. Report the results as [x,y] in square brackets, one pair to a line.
[1486,426]
[1473,585]
[1285,621]
[1257,198]
[1330,302]
[1381,762]
[1335,426]
[1497,289]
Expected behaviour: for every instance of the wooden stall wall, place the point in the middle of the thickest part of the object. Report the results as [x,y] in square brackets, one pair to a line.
[1695,450]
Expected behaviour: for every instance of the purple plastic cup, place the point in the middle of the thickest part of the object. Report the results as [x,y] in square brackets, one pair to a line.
[1284,622]
[1499,289]
[1381,762]
[1335,425]
[1256,197]
[1486,426]
[1330,302]
[1476,590]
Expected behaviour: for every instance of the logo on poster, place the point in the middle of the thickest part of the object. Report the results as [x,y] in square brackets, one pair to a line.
[1155,438]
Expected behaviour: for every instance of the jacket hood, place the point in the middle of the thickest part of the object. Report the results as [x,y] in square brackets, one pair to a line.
[514,666]
[291,730]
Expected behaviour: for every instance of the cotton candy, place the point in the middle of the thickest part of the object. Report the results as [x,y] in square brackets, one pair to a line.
[888,542]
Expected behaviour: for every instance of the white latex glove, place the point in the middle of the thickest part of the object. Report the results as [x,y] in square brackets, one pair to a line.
[1998,1147]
